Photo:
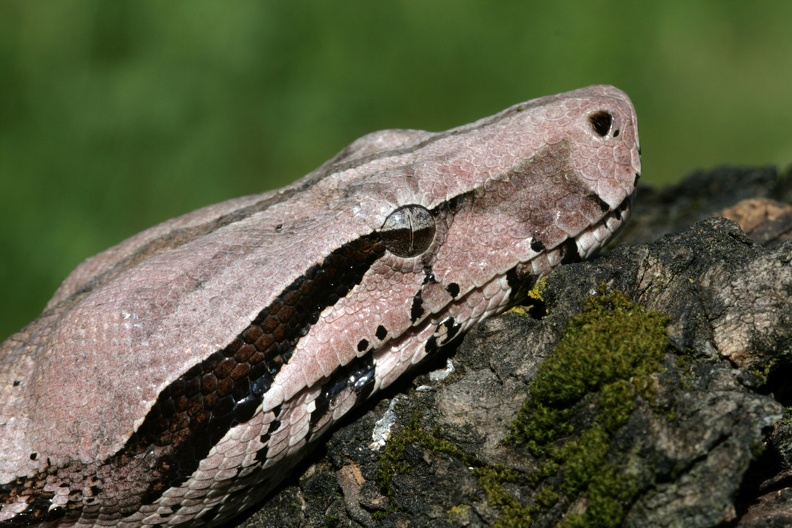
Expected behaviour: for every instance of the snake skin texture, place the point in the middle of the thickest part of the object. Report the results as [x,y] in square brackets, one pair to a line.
[176,378]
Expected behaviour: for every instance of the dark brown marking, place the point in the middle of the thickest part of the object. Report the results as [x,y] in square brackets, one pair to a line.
[197,409]
[445,333]
[261,454]
[428,275]
[602,204]
[453,289]
[416,310]
[358,376]
[569,251]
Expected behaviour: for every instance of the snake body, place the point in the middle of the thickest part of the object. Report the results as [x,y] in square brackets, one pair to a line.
[177,377]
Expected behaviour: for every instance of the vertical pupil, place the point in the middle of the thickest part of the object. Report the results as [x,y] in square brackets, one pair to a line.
[408,231]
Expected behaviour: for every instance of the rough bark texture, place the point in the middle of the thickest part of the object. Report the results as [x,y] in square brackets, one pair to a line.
[573,413]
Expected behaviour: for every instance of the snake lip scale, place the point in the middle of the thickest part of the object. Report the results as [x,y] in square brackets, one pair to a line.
[592,239]
[178,377]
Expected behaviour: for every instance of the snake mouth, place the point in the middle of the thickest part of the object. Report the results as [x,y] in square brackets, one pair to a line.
[582,246]
[589,241]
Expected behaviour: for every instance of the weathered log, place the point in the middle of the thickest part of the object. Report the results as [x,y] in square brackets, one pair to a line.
[643,388]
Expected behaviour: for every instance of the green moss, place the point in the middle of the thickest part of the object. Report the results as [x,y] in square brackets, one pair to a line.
[616,402]
[612,344]
[611,339]
[546,497]
[786,420]
[583,458]
[605,361]
[391,461]
[762,372]
[491,478]
[607,495]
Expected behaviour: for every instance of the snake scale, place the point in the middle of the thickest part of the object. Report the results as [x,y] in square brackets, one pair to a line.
[176,378]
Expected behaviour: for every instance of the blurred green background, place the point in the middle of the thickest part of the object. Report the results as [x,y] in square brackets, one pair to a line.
[115,115]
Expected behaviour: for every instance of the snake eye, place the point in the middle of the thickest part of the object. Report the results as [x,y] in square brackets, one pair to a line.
[408,231]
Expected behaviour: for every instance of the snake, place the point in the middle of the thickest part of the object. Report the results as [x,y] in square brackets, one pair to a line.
[178,377]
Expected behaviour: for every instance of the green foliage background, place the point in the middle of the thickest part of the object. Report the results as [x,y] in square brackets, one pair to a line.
[115,115]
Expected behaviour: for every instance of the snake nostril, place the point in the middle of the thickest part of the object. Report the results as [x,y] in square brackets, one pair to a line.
[601,122]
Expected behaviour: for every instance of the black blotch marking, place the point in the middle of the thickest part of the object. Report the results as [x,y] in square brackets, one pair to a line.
[362,345]
[358,375]
[273,426]
[177,421]
[514,280]
[569,251]
[261,454]
[453,205]
[381,332]
[601,122]
[602,204]
[195,411]
[616,133]
[33,456]
[239,494]
[416,311]
[428,275]
[445,332]
[37,512]
[537,245]
[211,514]
[453,290]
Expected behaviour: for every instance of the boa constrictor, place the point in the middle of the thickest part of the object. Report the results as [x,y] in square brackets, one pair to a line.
[177,377]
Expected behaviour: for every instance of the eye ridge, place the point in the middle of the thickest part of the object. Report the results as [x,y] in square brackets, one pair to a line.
[408,231]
